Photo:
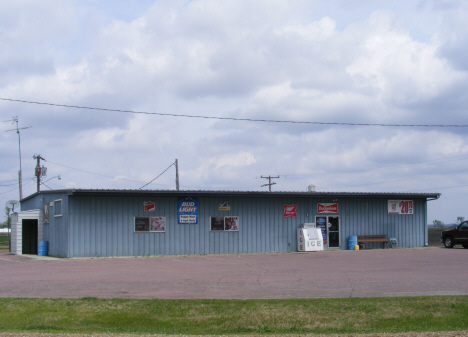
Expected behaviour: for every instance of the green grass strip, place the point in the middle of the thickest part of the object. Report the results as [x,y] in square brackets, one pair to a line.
[221,317]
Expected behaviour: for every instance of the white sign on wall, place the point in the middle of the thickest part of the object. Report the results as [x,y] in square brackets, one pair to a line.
[400,207]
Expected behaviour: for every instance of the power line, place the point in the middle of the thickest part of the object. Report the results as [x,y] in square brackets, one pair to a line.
[157,176]
[238,119]
[27,181]
[98,174]
[430,162]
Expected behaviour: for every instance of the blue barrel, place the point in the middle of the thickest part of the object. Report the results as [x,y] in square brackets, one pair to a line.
[352,241]
[43,248]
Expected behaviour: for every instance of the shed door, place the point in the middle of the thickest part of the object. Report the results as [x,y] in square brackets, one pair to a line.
[29,236]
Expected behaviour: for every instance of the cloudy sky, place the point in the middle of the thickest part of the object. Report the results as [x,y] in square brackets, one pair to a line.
[332,62]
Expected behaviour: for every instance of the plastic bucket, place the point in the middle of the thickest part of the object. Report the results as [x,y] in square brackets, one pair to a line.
[352,241]
[43,248]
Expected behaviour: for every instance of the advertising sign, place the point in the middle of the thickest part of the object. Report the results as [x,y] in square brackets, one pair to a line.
[217,223]
[224,223]
[321,222]
[150,224]
[187,211]
[231,223]
[289,211]
[46,214]
[327,208]
[224,206]
[141,224]
[157,224]
[400,207]
[149,206]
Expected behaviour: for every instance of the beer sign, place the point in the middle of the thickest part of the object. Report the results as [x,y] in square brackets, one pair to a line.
[327,208]
[289,211]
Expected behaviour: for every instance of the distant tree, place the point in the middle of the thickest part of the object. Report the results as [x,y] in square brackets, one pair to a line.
[438,223]
[460,219]
[7,223]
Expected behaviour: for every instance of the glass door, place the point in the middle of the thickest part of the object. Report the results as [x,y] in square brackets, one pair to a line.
[330,226]
[333,232]
[321,222]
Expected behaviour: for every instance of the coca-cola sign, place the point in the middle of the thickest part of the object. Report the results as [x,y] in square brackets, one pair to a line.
[327,208]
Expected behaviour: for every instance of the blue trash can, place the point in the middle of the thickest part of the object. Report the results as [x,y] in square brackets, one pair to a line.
[43,248]
[352,241]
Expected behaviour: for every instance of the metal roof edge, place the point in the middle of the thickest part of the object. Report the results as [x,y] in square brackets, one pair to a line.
[248,193]
[68,191]
[276,194]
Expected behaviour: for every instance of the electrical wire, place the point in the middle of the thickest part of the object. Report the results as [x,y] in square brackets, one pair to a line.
[25,182]
[238,119]
[16,182]
[157,176]
[98,174]
[430,162]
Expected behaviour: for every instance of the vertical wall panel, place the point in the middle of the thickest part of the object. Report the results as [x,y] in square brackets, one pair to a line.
[104,225]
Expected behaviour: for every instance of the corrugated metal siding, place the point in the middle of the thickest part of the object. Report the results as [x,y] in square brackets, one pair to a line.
[17,228]
[16,234]
[104,225]
[56,232]
[370,216]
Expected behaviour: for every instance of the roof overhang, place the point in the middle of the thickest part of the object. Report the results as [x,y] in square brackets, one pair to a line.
[251,194]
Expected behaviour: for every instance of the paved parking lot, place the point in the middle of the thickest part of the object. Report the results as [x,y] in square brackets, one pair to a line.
[377,272]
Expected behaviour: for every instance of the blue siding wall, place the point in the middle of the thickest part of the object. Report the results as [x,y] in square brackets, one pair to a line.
[370,217]
[104,225]
[56,232]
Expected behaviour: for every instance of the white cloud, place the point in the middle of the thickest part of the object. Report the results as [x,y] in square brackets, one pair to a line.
[359,62]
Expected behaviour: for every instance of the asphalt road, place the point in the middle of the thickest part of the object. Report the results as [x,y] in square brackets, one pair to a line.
[377,272]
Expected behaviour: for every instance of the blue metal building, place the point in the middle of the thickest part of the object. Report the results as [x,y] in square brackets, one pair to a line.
[88,223]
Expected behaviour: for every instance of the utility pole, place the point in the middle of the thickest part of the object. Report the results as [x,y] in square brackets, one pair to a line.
[269,181]
[20,174]
[39,171]
[177,174]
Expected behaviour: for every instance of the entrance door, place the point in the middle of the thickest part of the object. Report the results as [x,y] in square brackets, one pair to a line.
[333,232]
[29,237]
[330,226]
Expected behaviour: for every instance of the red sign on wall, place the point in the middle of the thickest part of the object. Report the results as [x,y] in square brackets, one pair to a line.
[148,206]
[290,210]
[327,208]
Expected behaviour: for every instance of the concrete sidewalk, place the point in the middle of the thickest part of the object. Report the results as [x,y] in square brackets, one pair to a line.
[331,273]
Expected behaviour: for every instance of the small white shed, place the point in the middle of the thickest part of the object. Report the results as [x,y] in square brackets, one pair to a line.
[26,231]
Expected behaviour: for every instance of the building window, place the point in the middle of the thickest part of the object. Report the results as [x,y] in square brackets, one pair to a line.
[58,207]
[150,224]
[224,223]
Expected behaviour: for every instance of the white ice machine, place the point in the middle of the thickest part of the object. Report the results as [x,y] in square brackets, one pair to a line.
[309,238]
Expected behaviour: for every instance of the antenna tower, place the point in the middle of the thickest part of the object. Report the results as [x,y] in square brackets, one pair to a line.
[20,174]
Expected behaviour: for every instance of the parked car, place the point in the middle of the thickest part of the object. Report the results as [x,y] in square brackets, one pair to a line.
[456,236]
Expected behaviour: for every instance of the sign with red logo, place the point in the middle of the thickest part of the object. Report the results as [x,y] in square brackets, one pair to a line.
[290,210]
[327,208]
[149,206]
[400,207]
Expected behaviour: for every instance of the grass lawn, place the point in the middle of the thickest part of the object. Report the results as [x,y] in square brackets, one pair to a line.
[4,242]
[217,317]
